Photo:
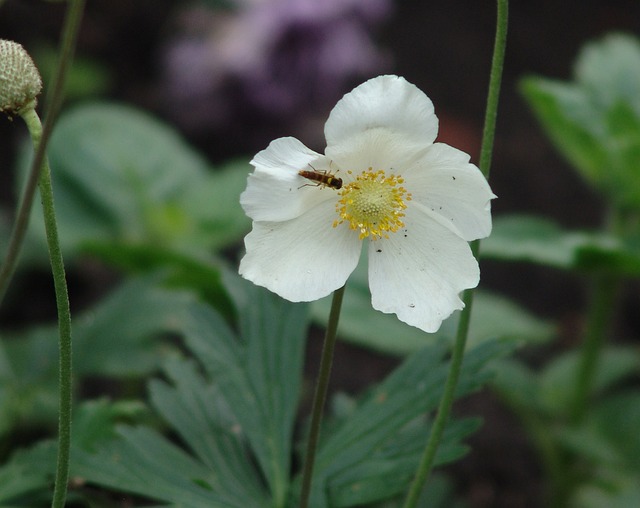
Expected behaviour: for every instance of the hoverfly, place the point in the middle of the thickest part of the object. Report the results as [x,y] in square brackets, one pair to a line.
[322,177]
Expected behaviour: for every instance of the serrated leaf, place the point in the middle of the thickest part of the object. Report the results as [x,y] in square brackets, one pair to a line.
[262,383]
[385,430]
[236,419]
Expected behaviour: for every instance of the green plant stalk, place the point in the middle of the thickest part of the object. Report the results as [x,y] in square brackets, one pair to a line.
[605,288]
[64,314]
[444,409]
[320,395]
[54,101]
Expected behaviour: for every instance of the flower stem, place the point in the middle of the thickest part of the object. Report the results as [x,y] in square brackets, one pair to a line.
[320,396]
[54,101]
[605,288]
[457,355]
[64,315]
[40,174]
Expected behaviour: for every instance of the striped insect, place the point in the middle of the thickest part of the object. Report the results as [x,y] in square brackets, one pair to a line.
[322,178]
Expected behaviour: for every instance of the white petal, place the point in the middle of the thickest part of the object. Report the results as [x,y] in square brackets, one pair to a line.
[419,272]
[275,191]
[303,259]
[375,149]
[387,103]
[446,184]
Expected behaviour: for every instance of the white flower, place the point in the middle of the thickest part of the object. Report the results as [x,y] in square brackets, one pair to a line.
[384,180]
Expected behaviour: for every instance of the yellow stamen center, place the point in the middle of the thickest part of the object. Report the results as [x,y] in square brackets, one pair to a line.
[373,204]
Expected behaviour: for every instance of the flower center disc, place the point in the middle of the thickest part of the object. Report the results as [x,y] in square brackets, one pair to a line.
[373,204]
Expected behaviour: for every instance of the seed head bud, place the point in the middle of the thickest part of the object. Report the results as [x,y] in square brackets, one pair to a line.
[20,81]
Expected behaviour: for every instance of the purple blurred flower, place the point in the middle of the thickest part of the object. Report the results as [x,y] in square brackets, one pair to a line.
[270,58]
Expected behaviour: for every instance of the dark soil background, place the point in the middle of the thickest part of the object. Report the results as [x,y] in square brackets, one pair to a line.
[445,49]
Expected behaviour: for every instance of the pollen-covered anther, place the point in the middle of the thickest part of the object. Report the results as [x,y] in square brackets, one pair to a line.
[373,204]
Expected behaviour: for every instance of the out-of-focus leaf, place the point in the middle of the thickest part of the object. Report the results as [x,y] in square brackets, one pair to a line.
[617,419]
[542,241]
[558,380]
[122,336]
[595,121]
[121,175]
[493,317]
[517,384]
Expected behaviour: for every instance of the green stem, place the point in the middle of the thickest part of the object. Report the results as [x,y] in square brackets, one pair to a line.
[320,396]
[54,101]
[457,356]
[602,308]
[64,315]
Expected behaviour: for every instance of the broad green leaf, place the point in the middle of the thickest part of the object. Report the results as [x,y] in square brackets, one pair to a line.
[374,454]
[199,274]
[119,174]
[123,336]
[610,69]
[541,241]
[595,120]
[492,317]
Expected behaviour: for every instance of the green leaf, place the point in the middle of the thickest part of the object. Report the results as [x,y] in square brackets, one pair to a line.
[610,69]
[27,477]
[123,336]
[119,174]
[557,381]
[541,241]
[492,317]
[517,384]
[199,274]
[595,121]
[571,122]
[617,419]
[374,454]
[236,419]
[262,384]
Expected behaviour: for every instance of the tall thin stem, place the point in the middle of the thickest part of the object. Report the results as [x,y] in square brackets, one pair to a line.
[604,291]
[457,356]
[54,101]
[320,395]
[64,317]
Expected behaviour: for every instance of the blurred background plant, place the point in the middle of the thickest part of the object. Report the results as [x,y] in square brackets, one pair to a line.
[166,103]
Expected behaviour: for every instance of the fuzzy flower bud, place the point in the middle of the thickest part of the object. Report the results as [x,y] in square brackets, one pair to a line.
[20,81]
